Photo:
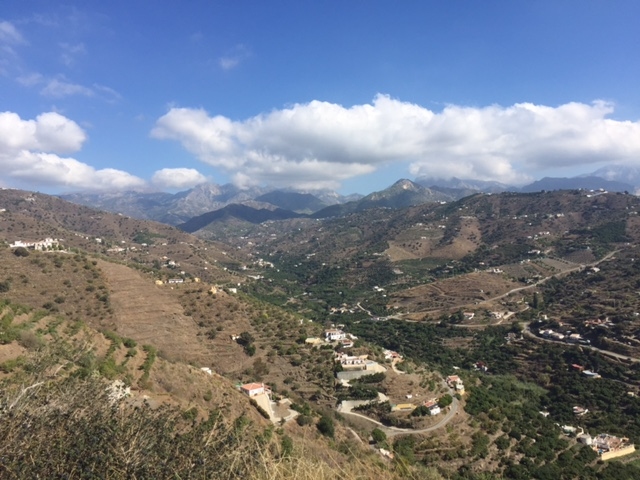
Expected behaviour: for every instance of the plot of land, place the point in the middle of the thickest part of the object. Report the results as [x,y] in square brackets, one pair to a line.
[464,290]
[152,315]
[431,242]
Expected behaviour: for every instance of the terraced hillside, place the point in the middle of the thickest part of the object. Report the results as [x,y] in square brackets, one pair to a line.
[151,314]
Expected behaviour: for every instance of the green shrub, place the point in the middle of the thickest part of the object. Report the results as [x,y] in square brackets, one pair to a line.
[261,410]
[303,420]
[286,445]
[325,426]
[378,435]
[10,365]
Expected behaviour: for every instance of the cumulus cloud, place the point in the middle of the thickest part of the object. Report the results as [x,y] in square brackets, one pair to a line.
[319,144]
[30,152]
[172,178]
[48,132]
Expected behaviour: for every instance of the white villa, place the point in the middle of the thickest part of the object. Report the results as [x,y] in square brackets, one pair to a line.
[45,244]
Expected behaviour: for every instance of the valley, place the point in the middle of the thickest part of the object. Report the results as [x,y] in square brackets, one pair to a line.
[423,294]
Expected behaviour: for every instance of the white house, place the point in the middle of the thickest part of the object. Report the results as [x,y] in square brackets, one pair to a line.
[432,405]
[45,244]
[334,334]
[253,389]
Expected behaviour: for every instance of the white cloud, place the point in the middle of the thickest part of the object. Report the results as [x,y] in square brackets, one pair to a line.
[58,88]
[9,34]
[172,178]
[30,79]
[48,132]
[234,58]
[29,152]
[320,144]
[70,52]
[52,170]
[10,38]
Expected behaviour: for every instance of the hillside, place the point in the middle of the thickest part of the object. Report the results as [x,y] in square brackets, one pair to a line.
[522,236]
[30,217]
[237,212]
[98,322]
[462,288]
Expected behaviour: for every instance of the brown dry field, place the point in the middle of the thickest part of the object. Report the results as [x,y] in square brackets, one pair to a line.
[11,350]
[68,284]
[151,314]
[461,291]
[170,383]
[399,385]
[464,242]
[179,321]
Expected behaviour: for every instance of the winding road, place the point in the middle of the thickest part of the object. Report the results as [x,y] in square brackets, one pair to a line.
[400,316]
[453,410]
[392,431]
[528,333]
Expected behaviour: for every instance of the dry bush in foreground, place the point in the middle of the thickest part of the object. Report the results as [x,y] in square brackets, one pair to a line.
[70,429]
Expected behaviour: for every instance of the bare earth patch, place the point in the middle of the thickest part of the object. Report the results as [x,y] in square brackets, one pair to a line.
[460,291]
[152,315]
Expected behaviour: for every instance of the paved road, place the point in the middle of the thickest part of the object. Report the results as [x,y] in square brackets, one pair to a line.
[527,332]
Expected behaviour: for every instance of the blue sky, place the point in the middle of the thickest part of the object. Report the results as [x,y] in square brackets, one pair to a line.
[349,95]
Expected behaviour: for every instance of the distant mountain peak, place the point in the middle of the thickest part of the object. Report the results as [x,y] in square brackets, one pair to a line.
[406,184]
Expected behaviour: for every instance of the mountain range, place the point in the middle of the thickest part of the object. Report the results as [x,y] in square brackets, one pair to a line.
[264,203]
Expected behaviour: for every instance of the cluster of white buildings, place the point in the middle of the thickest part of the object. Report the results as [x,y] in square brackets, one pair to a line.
[334,334]
[352,362]
[609,446]
[569,337]
[605,445]
[46,244]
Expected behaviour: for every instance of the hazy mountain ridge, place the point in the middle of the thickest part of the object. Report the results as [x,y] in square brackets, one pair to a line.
[178,208]
[458,187]
[588,183]
[294,201]
[240,212]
